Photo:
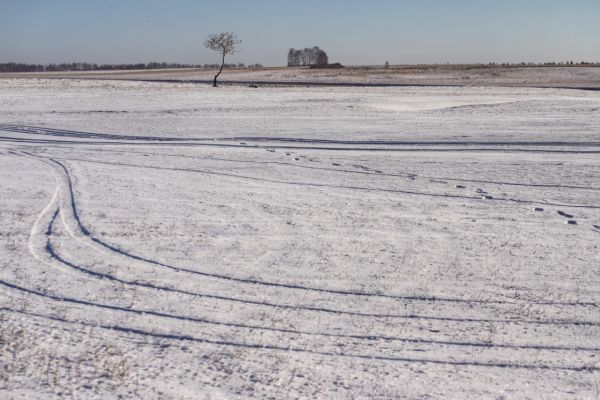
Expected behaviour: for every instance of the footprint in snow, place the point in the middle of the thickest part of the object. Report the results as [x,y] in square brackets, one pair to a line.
[564,214]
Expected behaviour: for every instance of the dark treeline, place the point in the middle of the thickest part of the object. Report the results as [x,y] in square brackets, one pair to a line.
[307,57]
[543,64]
[81,66]
[505,64]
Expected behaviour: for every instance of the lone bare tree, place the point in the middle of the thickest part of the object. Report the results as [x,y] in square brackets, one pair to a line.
[225,43]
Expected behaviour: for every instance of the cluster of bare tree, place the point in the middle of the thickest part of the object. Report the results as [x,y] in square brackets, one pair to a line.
[314,56]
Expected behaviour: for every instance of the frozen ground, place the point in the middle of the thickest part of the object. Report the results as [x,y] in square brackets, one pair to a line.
[165,240]
[579,76]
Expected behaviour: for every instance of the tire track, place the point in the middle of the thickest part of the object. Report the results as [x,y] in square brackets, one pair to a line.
[300,143]
[85,234]
[370,337]
[290,349]
[48,232]
[330,186]
[13,140]
[50,251]
[349,171]
[262,139]
[90,273]
[54,210]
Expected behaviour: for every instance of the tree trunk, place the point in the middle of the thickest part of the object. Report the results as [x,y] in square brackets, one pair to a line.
[221,70]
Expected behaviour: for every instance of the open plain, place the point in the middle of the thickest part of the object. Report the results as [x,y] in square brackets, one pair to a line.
[172,240]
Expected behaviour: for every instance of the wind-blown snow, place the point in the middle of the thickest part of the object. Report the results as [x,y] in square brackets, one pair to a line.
[176,241]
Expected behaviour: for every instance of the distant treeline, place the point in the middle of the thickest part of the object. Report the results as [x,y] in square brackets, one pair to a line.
[544,64]
[81,66]
[516,64]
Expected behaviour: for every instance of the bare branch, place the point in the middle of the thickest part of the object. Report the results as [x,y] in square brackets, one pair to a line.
[225,43]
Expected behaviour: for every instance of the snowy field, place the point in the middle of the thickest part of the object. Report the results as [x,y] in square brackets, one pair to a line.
[171,240]
[580,76]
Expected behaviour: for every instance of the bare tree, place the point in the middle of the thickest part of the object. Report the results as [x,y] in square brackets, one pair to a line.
[225,43]
[322,59]
[306,56]
[313,55]
[298,57]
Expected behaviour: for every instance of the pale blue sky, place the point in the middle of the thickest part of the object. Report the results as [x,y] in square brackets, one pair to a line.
[351,31]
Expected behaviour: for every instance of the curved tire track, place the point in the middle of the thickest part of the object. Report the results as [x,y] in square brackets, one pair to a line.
[53,210]
[85,236]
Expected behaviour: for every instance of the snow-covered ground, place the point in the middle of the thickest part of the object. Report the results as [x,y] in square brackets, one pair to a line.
[164,240]
[579,76]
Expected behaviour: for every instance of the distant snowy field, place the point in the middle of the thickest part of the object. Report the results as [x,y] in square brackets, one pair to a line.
[196,111]
[170,240]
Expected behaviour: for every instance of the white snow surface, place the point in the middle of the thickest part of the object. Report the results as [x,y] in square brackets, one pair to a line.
[171,240]
[578,76]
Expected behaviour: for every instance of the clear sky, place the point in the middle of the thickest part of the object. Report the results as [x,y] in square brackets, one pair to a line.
[352,31]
